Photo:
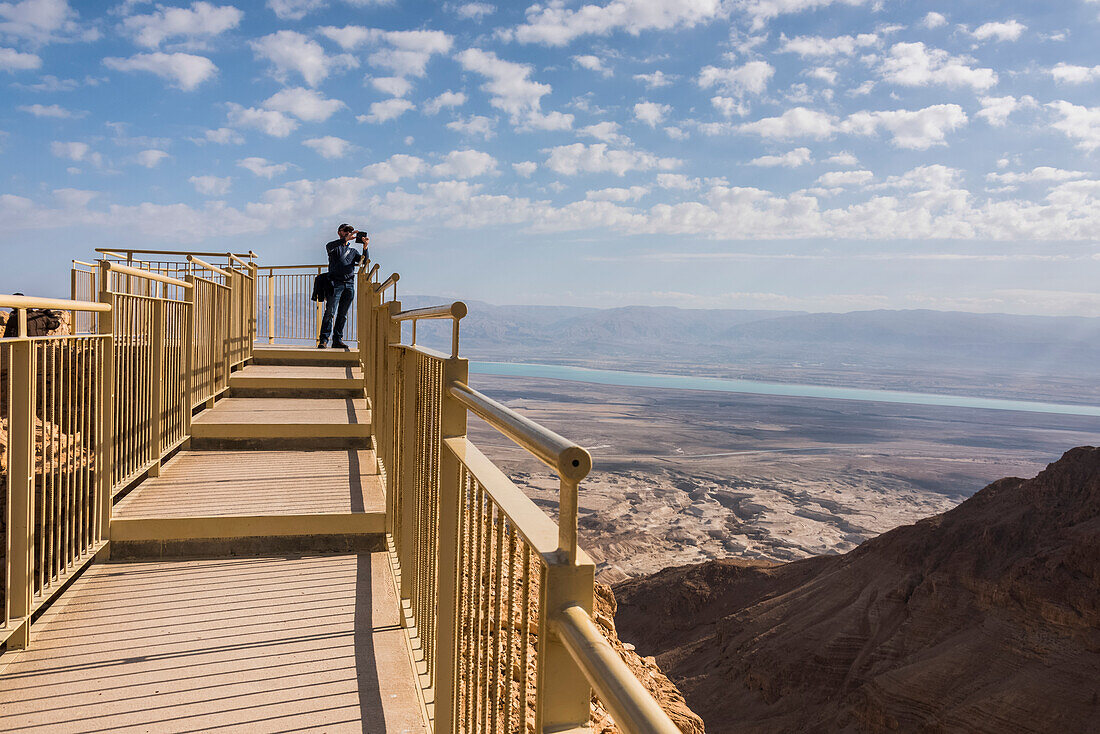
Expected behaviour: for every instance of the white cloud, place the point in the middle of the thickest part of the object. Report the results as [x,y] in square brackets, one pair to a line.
[262,167]
[843,159]
[676,133]
[738,81]
[797,122]
[657,79]
[913,129]
[386,110]
[150,158]
[475,125]
[305,104]
[556,25]
[571,160]
[289,51]
[933,20]
[729,107]
[272,122]
[395,86]
[1037,174]
[819,47]
[761,11]
[913,65]
[350,36]
[845,178]
[463,164]
[824,73]
[186,71]
[1006,31]
[790,159]
[525,168]
[511,89]
[651,113]
[1064,73]
[201,20]
[52,110]
[617,194]
[474,11]
[294,9]
[410,51]
[592,63]
[447,99]
[38,20]
[211,185]
[676,181]
[328,146]
[995,110]
[607,131]
[12,60]
[1080,124]
[222,136]
[75,151]
[395,168]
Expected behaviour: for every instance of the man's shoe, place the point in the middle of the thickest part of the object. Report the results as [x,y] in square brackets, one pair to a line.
[321,345]
[340,345]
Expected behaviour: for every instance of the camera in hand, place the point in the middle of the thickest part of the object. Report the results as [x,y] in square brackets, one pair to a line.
[361,238]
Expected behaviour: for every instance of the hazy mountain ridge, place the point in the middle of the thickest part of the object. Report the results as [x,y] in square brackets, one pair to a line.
[1000,355]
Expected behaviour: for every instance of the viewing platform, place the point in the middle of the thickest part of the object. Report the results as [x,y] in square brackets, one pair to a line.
[210,533]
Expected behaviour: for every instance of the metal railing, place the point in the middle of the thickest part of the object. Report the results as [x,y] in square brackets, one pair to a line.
[498,596]
[56,484]
[284,309]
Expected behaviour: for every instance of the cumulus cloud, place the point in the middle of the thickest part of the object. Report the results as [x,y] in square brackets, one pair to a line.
[185,71]
[272,122]
[1043,174]
[617,194]
[657,79]
[150,158]
[75,151]
[914,65]
[1079,124]
[845,178]
[409,52]
[463,164]
[761,11]
[298,9]
[592,63]
[933,20]
[305,104]
[1064,73]
[790,159]
[262,167]
[202,20]
[12,60]
[40,21]
[511,90]
[446,99]
[729,107]
[819,47]
[797,122]
[475,125]
[1005,31]
[53,110]
[738,81]
[571,160]
[221,136]
[843,159]
[995,110]
[607,131]
[211,185]
[291,52]
[556,25]
[474,11]
[913,129]
[386,110]
[393,169]
[328,146]
[395,86]
[651,113]
[525,168]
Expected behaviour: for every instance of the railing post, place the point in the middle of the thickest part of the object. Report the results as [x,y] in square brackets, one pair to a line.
[446,633]
[564,694]
[188,356]
[213,332]
[320,313]
[270,306]
[156,417]
[406,482]
[106,396]
[21,387]
[252,315]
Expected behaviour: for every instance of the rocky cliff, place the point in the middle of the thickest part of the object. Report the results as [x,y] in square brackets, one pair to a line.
[983,619]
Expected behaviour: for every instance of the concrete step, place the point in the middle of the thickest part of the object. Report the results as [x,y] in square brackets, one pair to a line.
[304,356]
[297,381]
[283,423]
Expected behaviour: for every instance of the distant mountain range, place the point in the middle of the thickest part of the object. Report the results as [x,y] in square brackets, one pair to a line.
[1000,355]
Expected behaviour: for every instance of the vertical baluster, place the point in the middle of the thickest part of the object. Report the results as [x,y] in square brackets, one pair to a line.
[495,632]
[510,638]
[525,640]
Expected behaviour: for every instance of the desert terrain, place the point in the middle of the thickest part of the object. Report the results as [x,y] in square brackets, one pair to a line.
[685,476]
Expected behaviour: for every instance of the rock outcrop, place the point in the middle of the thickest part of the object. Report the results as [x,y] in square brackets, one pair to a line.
[983,619]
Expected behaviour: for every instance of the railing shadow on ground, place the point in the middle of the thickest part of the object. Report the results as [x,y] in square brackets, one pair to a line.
[496,597]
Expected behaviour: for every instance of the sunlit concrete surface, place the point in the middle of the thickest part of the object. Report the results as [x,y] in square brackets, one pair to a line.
[226,483]
[300,372]
[228,645]
[286,411]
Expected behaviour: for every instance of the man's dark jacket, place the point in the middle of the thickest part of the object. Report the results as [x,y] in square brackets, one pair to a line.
[342,260]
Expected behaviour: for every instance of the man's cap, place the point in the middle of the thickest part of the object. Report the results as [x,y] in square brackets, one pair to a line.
[344,226]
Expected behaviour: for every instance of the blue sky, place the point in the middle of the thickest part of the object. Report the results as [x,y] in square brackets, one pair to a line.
[809,154]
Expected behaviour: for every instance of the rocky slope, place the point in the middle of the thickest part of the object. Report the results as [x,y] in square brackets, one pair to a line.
[983,619]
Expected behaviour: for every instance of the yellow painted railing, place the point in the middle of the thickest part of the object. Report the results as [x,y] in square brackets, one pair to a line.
[498,596]
[286,315]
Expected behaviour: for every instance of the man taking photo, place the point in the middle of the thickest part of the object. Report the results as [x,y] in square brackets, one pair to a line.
[342,259]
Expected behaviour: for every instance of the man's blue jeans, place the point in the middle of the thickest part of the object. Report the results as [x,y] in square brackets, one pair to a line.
[337,305]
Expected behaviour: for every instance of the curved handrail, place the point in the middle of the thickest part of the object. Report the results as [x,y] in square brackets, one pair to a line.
[456,310]
[114,253]
[630,704]
[571,461]
[212,268]
[55,304]
[147,274]
[392,280]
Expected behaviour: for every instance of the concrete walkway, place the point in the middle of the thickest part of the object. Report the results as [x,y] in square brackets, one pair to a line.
[249,628]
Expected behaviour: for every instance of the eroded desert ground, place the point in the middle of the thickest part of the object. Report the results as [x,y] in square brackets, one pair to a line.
[685,476]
